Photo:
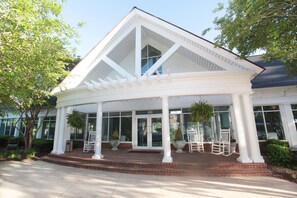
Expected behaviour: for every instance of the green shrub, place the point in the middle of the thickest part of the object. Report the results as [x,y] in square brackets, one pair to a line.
[30,154]
[277,142]
[4,140]
[278,155]
[42,145]
[14,155]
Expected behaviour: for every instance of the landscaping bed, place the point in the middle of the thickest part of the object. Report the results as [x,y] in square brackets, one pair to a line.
[284,173]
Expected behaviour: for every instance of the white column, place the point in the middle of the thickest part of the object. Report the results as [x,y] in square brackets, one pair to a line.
[54,151]
[240,131]
[165,131]
[138,50]
[289,124]
[98,143]
[61,141]
[251,130]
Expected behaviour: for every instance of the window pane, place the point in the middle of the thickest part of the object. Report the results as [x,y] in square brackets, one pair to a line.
[294,106]
[295,118]
[92,124]
[274,125]
[79,134]
[225,120]
[114,114]
[127,113]
[221,108]
[52,129]
[104,129]
[2,128]
[174,124]
[144,52]
[153,51]
[45,129]
[258,108]
[260,126]
[126,129]
[270,108]
[114,124]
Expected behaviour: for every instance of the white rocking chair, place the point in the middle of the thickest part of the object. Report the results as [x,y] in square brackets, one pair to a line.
[195,141]
[89,144]
[222,146]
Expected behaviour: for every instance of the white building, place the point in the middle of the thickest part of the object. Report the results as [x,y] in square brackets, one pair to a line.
[143,76]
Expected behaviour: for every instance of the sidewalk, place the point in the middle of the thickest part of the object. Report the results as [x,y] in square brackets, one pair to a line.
[41,179]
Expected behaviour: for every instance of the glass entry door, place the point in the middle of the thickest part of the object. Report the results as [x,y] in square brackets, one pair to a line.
[149,132]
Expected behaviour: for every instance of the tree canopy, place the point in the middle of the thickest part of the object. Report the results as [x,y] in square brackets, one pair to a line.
[251,25]
[34,48]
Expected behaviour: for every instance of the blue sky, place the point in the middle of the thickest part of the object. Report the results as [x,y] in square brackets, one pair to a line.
[100,16]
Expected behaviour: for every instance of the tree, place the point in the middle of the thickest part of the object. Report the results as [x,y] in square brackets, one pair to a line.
[34,48]
[251,25]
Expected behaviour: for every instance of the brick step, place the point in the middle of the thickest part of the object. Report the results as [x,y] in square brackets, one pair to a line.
[226,166]
[111,168]
[152,169]
[115,163]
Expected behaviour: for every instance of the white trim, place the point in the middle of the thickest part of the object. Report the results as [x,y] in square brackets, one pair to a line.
[116,67]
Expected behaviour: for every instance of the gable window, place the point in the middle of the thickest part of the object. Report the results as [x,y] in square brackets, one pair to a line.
[149,56]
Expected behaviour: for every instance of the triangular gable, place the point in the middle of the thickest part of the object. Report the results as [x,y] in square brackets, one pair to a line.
[105,63]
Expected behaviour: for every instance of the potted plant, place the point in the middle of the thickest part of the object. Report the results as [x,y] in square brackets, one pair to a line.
[201,112]
[76,120]
[114,140]
[178,142]
[232,145]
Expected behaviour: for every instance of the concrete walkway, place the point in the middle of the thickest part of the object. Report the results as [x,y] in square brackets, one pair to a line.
[41,179]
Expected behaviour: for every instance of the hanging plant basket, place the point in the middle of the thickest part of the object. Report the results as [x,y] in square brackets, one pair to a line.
[201,112]
[76,120]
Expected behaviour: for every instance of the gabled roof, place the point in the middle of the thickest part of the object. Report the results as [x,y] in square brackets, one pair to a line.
[107,55]
[275,74]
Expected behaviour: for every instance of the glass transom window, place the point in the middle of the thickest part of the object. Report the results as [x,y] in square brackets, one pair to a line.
[149,56]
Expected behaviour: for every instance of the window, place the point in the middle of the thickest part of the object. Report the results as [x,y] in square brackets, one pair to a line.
[120,121]
[294,111]
[149,55]
[268,122]
[8,126]
[48,128]
[181,118]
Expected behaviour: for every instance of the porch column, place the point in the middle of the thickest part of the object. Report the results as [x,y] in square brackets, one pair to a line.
[98,143]
[251,130]
[54,151]
[165,131]
[61,141]
[240,131]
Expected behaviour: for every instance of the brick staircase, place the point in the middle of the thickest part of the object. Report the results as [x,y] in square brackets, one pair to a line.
[227,169]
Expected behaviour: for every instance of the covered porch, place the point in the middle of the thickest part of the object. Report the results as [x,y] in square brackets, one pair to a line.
[172,112]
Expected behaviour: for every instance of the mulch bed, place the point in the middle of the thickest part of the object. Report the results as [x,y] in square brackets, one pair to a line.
[284,173]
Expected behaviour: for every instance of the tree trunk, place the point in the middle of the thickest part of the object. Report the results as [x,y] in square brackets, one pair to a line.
[28,139]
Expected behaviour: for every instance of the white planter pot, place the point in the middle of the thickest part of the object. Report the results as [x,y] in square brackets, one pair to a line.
[114,144]
[179,145]
[233,147]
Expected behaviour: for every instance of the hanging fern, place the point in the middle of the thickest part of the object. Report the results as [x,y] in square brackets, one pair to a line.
[76,120]
[201,111]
